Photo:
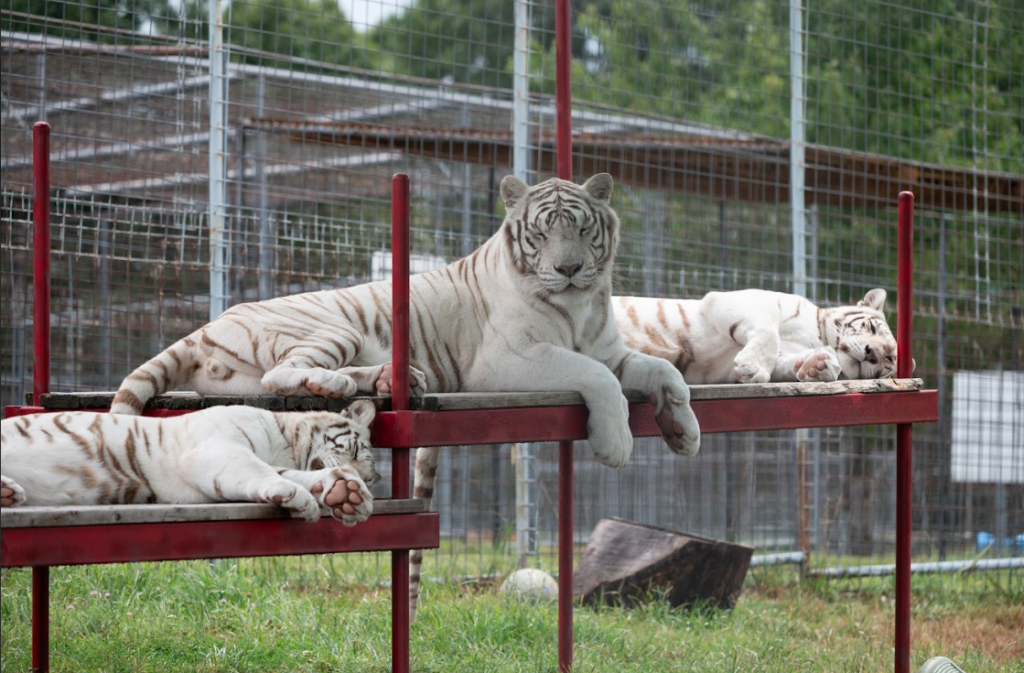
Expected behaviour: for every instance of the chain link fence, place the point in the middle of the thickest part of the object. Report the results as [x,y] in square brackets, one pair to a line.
[696,108]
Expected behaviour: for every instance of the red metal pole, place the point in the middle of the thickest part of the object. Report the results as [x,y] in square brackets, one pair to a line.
[40,619]
[41,360]
[563,121]
[400,292]
[41,259]
[400,402]
[904,442]
[565,555]
[563,88]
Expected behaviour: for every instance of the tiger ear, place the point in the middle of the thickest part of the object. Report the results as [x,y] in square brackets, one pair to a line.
[600,186]
[361,411]
[512,191]
[874,299]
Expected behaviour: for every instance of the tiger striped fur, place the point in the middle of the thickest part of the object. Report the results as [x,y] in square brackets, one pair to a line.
[529,310]
[756,336]
[300,460]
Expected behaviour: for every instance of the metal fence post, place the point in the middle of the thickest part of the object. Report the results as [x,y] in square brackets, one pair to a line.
[218,94]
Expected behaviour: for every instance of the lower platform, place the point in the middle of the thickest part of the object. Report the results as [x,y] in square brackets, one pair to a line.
[180,540]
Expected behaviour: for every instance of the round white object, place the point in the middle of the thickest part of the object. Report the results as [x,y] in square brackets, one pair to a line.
[530,583]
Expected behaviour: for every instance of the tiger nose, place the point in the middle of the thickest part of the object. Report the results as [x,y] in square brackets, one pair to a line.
[568,270]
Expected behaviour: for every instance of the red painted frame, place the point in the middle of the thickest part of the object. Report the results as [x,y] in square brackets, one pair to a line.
[176,541]
[403,429]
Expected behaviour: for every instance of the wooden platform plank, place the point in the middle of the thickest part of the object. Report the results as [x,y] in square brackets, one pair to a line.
[39,517]
[468,401]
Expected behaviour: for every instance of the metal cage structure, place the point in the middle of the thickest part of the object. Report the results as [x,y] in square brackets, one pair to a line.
[205,156]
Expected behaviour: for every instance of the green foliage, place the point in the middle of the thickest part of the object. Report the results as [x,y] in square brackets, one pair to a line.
[308,29]
[286,30]
[938,81]
[313,614]
[468,41]
[686,61]
[49,16]
[932,80]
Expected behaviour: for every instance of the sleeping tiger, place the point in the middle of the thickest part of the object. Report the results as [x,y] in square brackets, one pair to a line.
[756,336]
[301,461]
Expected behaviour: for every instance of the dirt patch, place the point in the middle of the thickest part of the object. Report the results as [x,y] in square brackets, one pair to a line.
[996,632]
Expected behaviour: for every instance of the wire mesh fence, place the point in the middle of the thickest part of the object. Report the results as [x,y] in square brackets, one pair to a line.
[695,108]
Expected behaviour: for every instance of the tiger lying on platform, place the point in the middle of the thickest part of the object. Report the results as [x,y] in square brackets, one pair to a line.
[529,310]
[298,460]
[756,336]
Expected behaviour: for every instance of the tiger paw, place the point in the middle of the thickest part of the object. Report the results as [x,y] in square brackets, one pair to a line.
[299,502]
[676,420]
[751,371]
[819,365]
[11,495]
[325,383]
[348,498]
[417,381]
[316,381]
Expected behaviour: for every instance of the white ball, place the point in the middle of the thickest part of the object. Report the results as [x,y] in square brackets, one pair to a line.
[530,583]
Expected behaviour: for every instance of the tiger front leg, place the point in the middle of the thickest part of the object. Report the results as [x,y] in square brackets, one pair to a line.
[751,328]
[668,393]
[11,495]
[226,471]
[757,359]
[545,367]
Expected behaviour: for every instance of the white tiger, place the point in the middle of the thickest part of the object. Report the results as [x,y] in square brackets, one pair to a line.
[301,461]
[529,310]
[756,336]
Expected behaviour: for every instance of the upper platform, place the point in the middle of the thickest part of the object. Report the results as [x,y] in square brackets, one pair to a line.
[493,418]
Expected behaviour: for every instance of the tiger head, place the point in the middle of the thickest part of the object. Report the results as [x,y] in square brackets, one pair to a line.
[338,439]
[865,345]
[562,236]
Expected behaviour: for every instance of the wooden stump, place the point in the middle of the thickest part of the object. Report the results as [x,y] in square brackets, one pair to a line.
[625,562]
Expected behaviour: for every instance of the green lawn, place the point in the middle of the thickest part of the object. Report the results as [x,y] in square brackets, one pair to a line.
[254,615]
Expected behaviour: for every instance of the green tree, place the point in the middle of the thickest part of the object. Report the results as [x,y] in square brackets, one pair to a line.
[721,63]
[467,41]
[937,80]
[65,19]
[308,29]
[317,30]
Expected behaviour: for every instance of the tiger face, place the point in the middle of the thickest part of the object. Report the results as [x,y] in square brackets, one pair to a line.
[866,347]
[343,439]
[562,235]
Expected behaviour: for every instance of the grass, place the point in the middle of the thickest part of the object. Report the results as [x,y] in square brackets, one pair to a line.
[249,616]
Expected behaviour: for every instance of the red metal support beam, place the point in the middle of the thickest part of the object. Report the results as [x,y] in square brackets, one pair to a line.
[41,360]
[563,88]
[562,423]
[176,541]
[40,614]
[904,436]
[566,553]
[400,402]
[41,259]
